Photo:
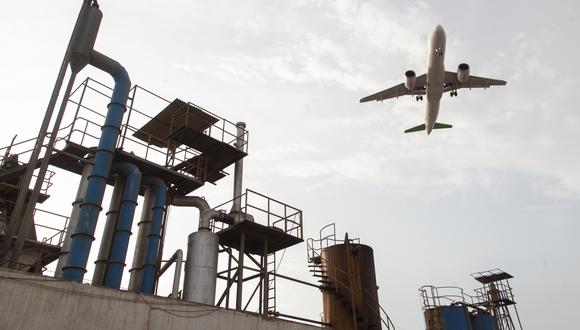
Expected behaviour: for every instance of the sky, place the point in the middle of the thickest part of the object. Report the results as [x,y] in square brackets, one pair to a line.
[501,189]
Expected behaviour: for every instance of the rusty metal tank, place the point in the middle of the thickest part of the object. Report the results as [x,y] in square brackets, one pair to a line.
[350,297]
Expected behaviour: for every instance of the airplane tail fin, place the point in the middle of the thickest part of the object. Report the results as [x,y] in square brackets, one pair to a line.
[422,127]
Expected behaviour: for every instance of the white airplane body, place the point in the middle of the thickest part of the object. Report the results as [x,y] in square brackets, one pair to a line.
[434,83]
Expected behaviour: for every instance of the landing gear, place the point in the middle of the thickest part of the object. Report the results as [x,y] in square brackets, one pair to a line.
[419,98]
[453,93]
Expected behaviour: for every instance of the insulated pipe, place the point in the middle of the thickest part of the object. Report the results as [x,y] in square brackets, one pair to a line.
[158,185]
[206,214]
[91,205]
[177,257]
[74,217]
[116,262]
[141,245]
[239,168]
[108,232]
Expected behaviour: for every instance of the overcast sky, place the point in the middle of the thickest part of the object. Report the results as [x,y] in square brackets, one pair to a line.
[500,189]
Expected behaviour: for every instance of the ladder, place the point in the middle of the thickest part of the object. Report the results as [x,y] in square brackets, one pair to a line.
[271,267]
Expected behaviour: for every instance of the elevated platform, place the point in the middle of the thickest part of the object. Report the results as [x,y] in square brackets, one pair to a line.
[182,123]
[176,115]
[491,276]
[70,159]
[256,234]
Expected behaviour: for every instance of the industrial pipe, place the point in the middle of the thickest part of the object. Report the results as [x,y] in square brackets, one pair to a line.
[122,233]
[108,232]
[239,168]
[141,244]
[199,284]
[160,191]
[91,205]
[74,216]
[177,257]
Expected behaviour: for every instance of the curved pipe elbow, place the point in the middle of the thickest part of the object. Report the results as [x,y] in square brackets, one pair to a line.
[207,216]
[191,201]
[117,71]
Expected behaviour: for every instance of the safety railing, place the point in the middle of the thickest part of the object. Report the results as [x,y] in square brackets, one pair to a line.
[433,296]
[91,96]
[268,211]
[13,156]
[327,238]
[50,233]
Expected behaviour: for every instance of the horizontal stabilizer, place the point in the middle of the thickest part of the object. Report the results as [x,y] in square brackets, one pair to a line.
[416,129]
[440,125]
[422,127]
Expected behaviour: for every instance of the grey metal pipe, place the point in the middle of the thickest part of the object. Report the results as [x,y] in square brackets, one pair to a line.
[191,201]
[144,224]
[74,216]
[239,168]
[107,238]
[177,257]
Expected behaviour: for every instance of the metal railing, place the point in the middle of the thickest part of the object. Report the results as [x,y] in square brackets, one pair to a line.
[268,211]
[433,296]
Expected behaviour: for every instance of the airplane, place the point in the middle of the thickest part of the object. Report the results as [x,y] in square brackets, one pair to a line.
[433,84]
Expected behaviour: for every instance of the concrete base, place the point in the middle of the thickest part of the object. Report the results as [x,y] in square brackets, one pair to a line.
[30,301]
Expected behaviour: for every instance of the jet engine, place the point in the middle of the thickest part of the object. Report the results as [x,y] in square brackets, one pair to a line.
[463,73]
[410,79]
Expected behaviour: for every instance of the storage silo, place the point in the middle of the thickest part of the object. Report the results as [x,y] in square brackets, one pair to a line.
[350,297]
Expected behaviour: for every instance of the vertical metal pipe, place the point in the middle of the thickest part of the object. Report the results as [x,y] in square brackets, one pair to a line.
[240,271]
[141,245]
[177,275]
[239,168]
[120,243]
[150,266]
[74,216]
[107,238]
[25,181]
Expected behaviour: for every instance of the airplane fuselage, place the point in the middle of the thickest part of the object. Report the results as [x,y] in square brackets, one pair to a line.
[435,76]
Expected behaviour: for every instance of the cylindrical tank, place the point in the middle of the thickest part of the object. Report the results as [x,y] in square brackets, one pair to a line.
[351,298]
[453,317]
[482,321]
[201,267]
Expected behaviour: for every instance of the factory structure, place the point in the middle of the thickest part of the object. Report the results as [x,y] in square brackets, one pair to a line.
[121,137]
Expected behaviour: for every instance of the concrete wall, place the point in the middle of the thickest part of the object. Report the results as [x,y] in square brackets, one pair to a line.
[37,302]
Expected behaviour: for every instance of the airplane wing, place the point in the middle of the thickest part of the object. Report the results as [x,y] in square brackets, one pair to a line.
[451,82]
[399,90]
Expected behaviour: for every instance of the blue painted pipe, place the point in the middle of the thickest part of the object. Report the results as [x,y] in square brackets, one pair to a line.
[160,196]
[82,238]
[116,262]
